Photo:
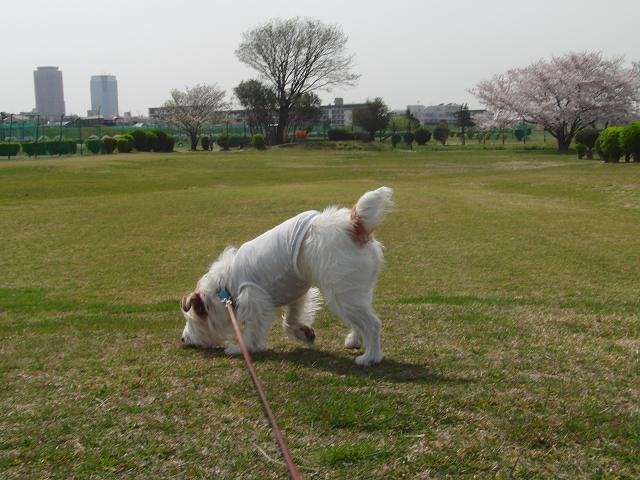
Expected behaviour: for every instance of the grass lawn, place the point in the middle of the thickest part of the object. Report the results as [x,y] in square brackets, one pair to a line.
[509,300]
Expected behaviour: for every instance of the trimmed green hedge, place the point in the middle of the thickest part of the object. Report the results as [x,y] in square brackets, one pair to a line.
[423,135]
[223,142]
[123,144]
[339,134]
[108,144]
[629,140]
[94,145]
[61,147]
[9,149]
[258,142]
[34,148]
[609,144]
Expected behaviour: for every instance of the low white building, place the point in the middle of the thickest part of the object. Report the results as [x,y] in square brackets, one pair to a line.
[339,114]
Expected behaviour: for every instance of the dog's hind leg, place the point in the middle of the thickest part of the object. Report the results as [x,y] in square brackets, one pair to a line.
[365,325]
[353,340]
[296,323]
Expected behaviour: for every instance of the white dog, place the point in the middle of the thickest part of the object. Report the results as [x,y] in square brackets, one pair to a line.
[334,250]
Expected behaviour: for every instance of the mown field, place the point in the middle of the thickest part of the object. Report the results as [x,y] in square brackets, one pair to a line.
[509,298]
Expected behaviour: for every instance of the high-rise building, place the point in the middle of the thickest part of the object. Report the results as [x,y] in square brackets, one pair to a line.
[104,95]
[49,92]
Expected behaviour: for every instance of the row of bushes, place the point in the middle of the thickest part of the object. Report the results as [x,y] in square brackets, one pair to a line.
[232,141]
[50,147]
[615,142]
[9,149]
[340,134]
[152,141]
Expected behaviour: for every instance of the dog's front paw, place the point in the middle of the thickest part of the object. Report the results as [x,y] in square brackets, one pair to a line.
[233,350]
[369,360]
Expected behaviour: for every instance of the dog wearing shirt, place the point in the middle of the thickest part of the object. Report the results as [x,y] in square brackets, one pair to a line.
[331,253]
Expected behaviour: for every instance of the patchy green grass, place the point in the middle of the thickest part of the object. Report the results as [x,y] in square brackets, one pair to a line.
[509,301]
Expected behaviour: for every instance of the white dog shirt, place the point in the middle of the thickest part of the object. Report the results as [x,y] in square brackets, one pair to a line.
[269,262]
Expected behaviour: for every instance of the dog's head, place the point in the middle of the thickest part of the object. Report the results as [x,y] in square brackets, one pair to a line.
[207,324]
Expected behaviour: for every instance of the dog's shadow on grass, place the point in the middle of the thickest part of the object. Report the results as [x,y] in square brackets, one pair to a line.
[390,369]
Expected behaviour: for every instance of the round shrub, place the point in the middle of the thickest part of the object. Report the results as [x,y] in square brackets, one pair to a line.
[609,144]
[395,139]
[140,140]
[422,135]
[60,147]
[163,141]
[124,145]
[587,137]
[9,149]
[108,144]
[238,141]
[152,141]
[223,142]
[630,140]
[258,142]
[171,142]
[441,133]
[408,138]
[205,143]
[581,149]
[94,145]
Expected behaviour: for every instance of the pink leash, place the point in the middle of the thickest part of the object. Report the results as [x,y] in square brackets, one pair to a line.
[282,443]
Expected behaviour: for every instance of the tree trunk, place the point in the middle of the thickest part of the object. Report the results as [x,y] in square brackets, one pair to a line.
[194,141]
[283,120]
[563,143]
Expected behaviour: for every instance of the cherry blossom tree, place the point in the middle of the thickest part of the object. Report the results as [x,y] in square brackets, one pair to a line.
[193,108]
[566,94]
[495,119]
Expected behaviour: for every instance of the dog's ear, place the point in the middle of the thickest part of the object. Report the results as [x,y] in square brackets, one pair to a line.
[194,300]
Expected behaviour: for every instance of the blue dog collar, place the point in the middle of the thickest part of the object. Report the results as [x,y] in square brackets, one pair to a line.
[225,297]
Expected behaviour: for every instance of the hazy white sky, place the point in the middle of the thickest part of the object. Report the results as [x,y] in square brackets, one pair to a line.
[407,51]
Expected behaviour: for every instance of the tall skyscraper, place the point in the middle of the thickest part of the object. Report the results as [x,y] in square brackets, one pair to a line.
[104,95]
[49,92]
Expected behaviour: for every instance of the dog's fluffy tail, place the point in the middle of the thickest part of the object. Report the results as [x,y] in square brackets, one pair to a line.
[367,214]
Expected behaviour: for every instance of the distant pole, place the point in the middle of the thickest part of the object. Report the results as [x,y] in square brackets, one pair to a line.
[80,133]
[37,133]
[60,134]
[524,131]
[10,125]
[22,132]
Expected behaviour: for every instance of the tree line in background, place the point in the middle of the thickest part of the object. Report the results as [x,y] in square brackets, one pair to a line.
[297,57]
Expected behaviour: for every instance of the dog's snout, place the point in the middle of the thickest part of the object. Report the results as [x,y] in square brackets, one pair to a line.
[182,339]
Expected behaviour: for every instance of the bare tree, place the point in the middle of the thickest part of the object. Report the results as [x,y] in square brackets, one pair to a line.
[297,56]
[193,108]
